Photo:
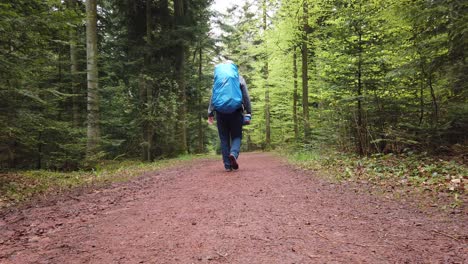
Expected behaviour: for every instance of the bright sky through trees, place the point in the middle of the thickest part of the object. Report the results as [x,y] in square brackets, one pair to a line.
[223,5]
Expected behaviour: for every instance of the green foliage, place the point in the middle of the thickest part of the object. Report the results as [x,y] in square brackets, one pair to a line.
[384,77]
[407,172]
[381,73]
[43,106]
[143,96]
[22,186]
[35,131]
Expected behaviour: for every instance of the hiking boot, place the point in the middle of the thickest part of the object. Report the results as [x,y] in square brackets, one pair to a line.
[234,164]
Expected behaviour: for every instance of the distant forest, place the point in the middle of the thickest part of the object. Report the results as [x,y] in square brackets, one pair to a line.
[83,81]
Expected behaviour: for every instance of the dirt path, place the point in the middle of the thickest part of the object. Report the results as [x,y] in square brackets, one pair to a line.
[266,212]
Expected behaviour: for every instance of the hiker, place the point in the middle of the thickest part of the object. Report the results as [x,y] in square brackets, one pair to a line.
[230,100]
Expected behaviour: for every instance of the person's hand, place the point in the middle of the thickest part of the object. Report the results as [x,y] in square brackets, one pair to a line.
[210,120]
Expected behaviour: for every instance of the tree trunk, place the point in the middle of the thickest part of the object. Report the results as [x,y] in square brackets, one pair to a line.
[92,76]
[359,93]
[144,111]
[421,102]
[305,78]
[457,51]
[179,12]
[434,99]
[200,106]
[360,127]
[39,151]
[148,85]
[74,70]
[295,96]
[265,77]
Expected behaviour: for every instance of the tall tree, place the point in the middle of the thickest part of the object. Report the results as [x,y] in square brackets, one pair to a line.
[295,95]
[265,77]
[179,13]
[361,130]
[93,134]
[75,88]
[146,88]
[305,70]
[201,106]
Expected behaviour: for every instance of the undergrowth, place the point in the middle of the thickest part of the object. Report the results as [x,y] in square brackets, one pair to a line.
[433,177]
[20,186]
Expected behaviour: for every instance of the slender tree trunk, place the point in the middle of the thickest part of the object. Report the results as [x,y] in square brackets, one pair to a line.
[74,80]
[361,131]
[165,15]
[59,51]
[74,70]
[142,92]
[12,160]
[295,95]
[423,84]
[433,96]
[179,12]
[149,27]
[148,85]
[200,106]
[39,151]
[421,102]
[456,52]
[149,134]
[359,93]
[144,124]
[265,77]
[305,77]
[93,132]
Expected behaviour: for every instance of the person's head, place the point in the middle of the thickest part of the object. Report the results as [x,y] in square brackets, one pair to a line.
[227,59]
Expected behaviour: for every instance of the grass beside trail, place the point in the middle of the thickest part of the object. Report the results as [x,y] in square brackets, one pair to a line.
[439,182]
[20,186]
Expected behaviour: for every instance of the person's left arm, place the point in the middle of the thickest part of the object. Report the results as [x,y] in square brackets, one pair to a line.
[211,111]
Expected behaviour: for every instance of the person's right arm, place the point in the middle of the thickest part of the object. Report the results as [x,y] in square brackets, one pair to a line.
[245,95]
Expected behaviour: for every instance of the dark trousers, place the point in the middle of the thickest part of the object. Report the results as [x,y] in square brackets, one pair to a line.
[230,134]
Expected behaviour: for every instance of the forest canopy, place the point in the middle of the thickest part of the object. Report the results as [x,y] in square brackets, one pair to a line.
[82,81]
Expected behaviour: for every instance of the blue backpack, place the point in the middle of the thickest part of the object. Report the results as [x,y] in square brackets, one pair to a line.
[227,95]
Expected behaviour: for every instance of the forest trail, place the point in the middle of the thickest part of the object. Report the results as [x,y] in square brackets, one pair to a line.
[267,212]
